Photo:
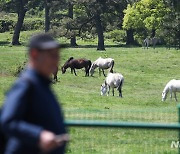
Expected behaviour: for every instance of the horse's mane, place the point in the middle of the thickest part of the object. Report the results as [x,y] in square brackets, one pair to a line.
[71,58]
[166,88]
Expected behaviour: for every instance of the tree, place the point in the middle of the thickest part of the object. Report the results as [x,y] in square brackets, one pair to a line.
[47,18]
[94,12]
[21,7]
[100,34]
[171,24]
[70,14]
[116,13]
[145,14]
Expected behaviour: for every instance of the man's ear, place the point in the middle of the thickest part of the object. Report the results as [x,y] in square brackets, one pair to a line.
[33,53]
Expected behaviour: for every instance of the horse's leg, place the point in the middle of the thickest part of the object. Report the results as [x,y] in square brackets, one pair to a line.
[74,71]
[120,92]
[112,66]
[108,90]
[103,73]
[170,94]
[71,71]
[99,72]
[175,96]
[55,77]
[86,71]
[144,45]
[113,91]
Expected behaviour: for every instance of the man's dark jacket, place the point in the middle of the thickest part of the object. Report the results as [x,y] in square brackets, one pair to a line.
[29,108]
[2,139]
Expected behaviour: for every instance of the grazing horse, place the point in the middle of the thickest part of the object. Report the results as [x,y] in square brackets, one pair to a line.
[102,64]
[151,41]
[77,64]
[146,43]
[172,86]
[113,80]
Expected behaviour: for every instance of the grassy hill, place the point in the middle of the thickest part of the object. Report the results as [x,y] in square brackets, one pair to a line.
[146,72]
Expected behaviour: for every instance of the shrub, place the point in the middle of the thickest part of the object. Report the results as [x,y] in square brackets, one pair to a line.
[116,35]
[7,23]
[33,24]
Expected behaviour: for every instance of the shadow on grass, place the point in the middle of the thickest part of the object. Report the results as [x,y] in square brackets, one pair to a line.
[4,43]
[95,46]
[65,46]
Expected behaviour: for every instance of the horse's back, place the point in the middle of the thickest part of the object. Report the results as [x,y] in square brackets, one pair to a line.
[79,63]
[114,79]
[174,84]
[104,63]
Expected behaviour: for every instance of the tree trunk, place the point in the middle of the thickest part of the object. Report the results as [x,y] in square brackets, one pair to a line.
[47,18]
[130,37]
[70,14]
[99,30]
[21,15]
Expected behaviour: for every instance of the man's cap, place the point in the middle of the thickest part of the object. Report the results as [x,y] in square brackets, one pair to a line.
[43,42]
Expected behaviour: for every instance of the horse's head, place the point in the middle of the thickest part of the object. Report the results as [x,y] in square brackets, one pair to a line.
[63,70]
[164,95]
[103,89]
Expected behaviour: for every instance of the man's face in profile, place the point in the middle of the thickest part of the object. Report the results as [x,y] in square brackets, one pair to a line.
[47,60]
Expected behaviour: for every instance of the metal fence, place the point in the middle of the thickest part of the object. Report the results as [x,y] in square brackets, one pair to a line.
[96,132]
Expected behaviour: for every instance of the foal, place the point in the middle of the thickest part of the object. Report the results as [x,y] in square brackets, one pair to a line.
[77,64]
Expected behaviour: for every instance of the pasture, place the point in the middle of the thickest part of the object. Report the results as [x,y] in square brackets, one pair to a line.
[146,72]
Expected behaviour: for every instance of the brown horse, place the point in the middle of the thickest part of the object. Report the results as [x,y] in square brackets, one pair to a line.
[77,64]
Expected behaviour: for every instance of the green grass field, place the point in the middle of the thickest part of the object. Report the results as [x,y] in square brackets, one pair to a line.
[146,72]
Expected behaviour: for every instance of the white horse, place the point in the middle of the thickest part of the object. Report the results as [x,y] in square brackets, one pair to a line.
[151,41]
[147,42]
[102,64]
[172,86]
[113,80]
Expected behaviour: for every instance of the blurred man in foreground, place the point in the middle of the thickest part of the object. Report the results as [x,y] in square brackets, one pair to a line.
[31,117]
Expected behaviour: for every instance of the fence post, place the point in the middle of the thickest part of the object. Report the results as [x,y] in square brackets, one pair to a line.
[179,124]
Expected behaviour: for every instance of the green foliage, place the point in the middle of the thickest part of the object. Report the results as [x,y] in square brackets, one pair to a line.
[33,24]
[139,36]
[147,14]
[146,74]
[116,35]
[8,22]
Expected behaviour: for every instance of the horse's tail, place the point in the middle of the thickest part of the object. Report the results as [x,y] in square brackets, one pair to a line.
[112,66]
[89,65]
[121,83]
